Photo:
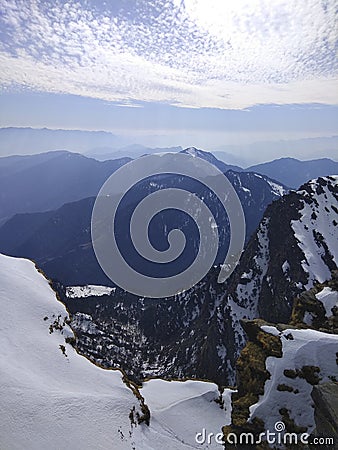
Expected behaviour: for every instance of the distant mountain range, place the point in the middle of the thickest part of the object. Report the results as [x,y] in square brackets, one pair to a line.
[58,238]
[294,173]
[48,180]
[60,241]
[248,154]
[104,145]
[211,158]
[129,151]
[26,141]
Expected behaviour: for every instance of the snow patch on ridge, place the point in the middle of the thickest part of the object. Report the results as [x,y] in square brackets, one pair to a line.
[177,405]
[89,290]
[316,229]
[329,299]
[300,348]
[277,189]
[248,292]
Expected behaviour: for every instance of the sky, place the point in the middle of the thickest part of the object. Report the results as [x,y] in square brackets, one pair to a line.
[207,73]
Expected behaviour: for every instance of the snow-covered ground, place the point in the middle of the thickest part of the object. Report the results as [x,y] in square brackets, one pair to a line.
[300,348]
[53,398]
[329,299]
[277,188]
[316,229]
[88,291]
[185,408]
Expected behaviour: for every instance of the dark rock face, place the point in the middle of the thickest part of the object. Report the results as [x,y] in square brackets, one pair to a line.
[266,286]
[286,255]
[307,303]
[252,375]
[183,336]
[325,397]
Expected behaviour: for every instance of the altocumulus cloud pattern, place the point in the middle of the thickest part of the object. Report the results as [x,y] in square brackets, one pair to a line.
[189,53]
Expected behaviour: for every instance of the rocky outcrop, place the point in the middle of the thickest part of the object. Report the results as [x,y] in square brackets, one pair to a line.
[251,376]
[186,336]
[281,365]
[294,248]
[325,399]
[308,310]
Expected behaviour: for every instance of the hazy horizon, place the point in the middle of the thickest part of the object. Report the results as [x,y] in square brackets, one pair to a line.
[105,145]
[248,78]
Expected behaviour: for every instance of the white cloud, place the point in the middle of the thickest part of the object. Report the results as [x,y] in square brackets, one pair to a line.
[192,53]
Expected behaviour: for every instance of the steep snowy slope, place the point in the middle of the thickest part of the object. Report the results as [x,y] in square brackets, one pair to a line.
[316,229]
[295,246]
[309,357]
[51,397]
[185,408]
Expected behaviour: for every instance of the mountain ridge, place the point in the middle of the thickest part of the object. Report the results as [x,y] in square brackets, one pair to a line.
[294,172]
[199,333]
[44,182]
[60,240]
